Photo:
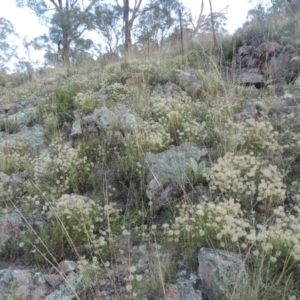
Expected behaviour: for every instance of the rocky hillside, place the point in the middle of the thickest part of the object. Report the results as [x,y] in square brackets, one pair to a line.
[149,178]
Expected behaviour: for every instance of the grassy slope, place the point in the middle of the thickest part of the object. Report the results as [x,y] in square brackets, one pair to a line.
[258,156]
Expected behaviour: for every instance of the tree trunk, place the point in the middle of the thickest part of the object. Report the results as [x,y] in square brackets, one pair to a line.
[212,24]
[127,29]
[181,31]
[65,55]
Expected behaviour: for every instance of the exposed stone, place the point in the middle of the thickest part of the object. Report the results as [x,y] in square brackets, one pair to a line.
[54,280]
[222,274]
[76,130]
[72,287]
[128,77]
[269,49]
[10,108]
[33,135]
[101,94]
[168,90]
[101,118]
[67,266]
[25,116]
[126,115]
[183,289]
[269,63]
[166,172]
[188,82]
[10,225]
[248,78]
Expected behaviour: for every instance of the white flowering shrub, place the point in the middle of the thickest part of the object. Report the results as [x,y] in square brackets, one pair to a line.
[210,225]
[87,102]
[64,169]
[247,178]
[259,138]
[87,224]
[15,156]
[278,241]
[177,116]
[151,136]
[117,92]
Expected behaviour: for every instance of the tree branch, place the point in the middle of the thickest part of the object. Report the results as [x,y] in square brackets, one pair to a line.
[77,35]
[148,8]
[90,6]
[56,5]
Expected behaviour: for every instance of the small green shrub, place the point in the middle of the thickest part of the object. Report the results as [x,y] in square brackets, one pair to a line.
[64,101]
[8,126]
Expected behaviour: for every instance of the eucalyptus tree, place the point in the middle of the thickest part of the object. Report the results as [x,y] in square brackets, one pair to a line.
[130,15]
[67,20]
[158,23]
[108,22]
[8,51]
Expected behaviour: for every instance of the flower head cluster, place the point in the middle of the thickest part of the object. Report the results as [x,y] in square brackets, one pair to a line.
[85,222]
[245,177]
[251,136]
[117,92]
[55,171]
[210,224]
[86,102]
[176,115]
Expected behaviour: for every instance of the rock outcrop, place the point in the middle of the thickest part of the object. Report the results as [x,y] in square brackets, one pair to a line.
[266,64]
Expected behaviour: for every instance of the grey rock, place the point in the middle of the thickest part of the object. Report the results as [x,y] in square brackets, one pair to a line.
[188,82]
[54,280]
[67,266]
[121,115]
[10,226]
[5,277]
[127,116]
[73,286]
[76,130]
[297,82]
[25,116]
[252,110]
[288,99]
[101,118]
[101,94]
[222,274]
[183,289]
[166,172]
[248,78]
[33,135]
[4,178]
[168,90]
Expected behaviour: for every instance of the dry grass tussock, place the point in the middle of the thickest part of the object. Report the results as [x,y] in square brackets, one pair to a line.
[250,166]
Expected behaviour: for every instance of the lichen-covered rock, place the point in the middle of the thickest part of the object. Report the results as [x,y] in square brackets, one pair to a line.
[72,287]
[222,273]
[249,78]
[188,82]
[182,289]
[10,226]
[168,90]
[166,172]
[25,116]
[34,135]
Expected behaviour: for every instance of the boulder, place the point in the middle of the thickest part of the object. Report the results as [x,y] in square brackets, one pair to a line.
[167,90]
[223,274]
[182,289]
[188,82]
[249,78]
[10,226]
[167,172]
[120,115]
[34,135]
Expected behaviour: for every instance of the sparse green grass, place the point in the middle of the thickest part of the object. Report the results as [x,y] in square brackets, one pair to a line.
[244,169]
